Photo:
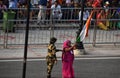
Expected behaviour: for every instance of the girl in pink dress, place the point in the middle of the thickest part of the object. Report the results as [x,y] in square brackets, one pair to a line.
[67,60]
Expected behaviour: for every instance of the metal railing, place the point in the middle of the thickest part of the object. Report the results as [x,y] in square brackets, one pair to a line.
[63,29]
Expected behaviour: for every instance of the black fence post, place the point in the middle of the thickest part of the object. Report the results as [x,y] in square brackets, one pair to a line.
[26,40]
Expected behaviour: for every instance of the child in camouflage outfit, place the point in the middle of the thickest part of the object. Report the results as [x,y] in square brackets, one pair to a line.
[51,56]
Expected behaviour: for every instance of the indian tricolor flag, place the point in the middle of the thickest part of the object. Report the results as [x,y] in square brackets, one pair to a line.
[84,31]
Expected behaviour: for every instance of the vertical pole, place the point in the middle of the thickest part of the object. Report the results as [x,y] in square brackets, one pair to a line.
[81,19]
[5,38]
[79,45]
[52,22]
[82,10]
[26,40]
[94,34]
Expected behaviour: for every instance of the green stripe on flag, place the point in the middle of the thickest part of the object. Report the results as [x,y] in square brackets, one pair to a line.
[78,39]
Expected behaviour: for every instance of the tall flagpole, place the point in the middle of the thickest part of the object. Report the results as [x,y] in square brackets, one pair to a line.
[79,45]
[26,40]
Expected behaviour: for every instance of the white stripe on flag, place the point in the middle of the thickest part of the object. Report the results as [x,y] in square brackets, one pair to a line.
[83,33]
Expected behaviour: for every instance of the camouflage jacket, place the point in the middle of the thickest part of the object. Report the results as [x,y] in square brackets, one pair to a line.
[51,51]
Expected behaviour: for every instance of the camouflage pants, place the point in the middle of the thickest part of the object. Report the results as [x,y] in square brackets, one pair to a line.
[50,64]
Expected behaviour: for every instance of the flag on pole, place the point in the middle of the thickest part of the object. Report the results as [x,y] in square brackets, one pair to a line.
[84,31]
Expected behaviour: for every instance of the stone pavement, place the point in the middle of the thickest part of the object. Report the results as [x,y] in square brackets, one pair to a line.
[40,51]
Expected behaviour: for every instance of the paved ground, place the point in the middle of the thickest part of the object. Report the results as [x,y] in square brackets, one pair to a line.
[83,68]
[40,51]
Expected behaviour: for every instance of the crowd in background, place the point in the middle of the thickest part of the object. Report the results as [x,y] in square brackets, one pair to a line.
[68,9]
[63,4]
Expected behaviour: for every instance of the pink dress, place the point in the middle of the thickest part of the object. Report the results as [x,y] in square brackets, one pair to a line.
[67,63]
